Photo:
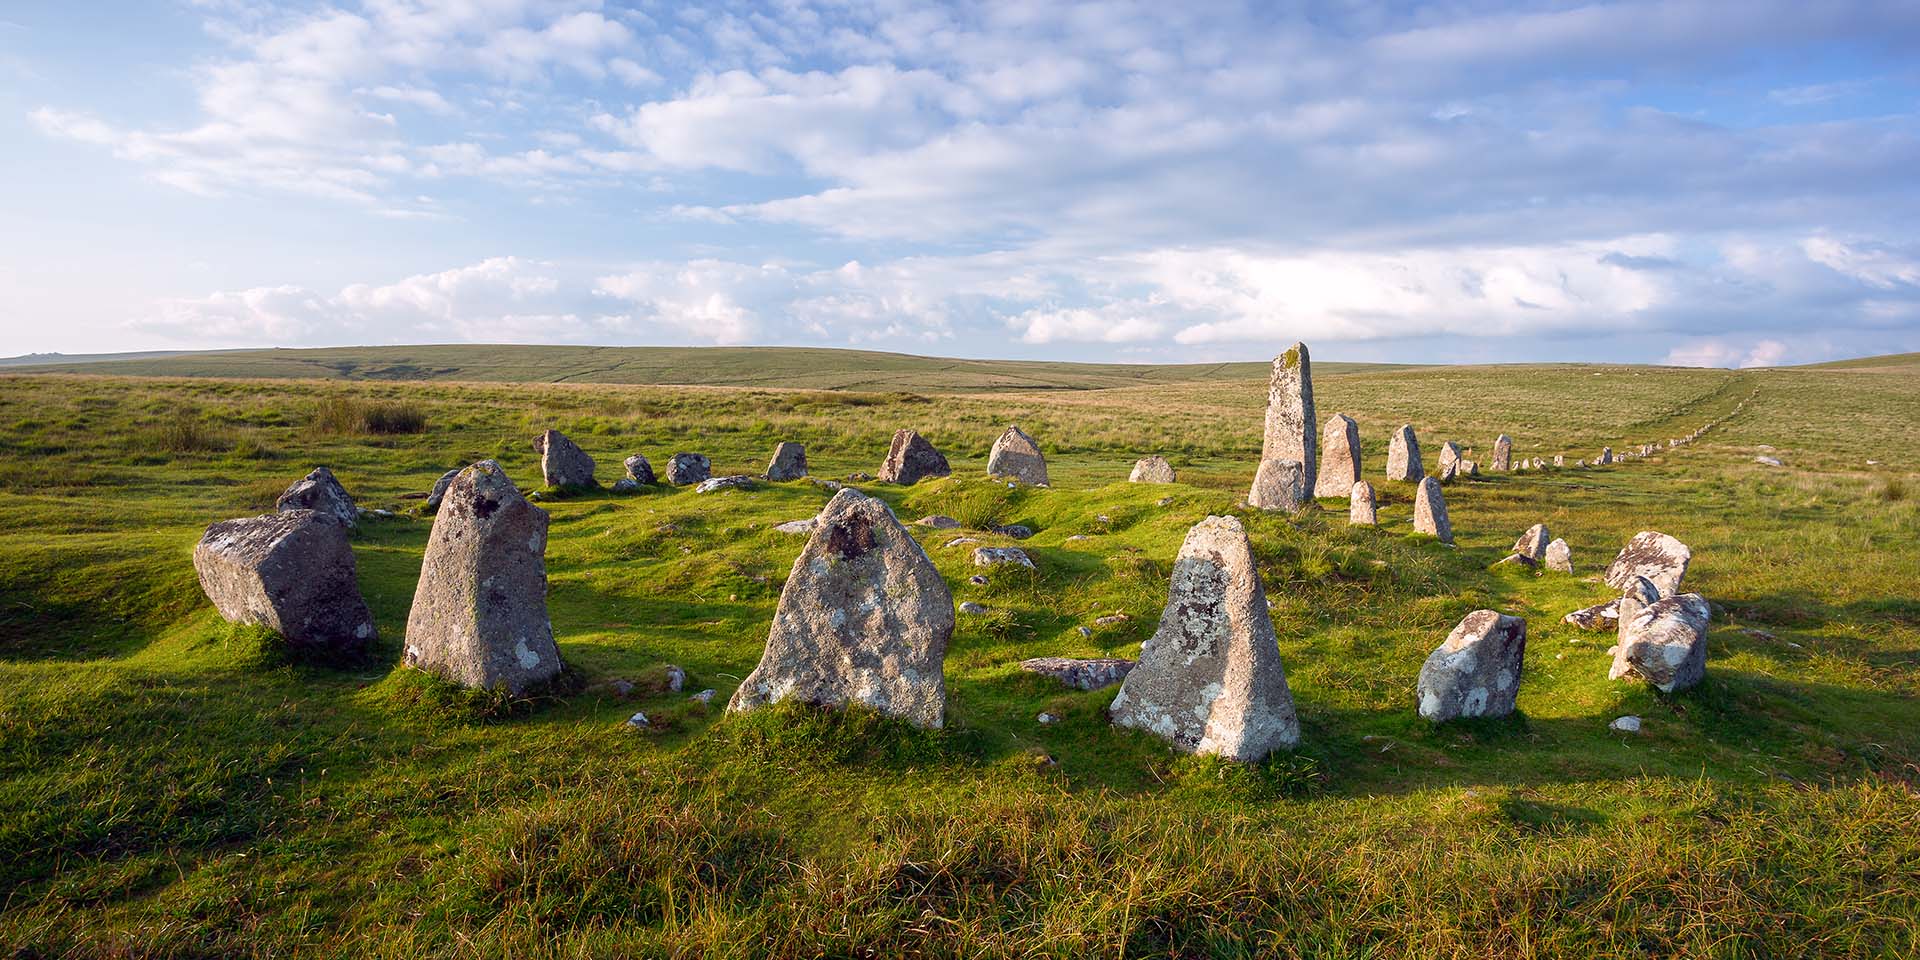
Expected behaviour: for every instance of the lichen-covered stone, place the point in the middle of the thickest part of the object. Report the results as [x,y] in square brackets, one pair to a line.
[1665,644]
[640,469]
[1403,455]
[291,572]
[1016,456]
[563,465]
[1533,543]
[1000,556]
[1080,674]
[738,481]
[1362,508]
[1154,469]
[1476,672]
[1430,511]
[1339,457]
[320,492]
[1502,454]
[789,462]
[1279,485]
[911,459]
[1289,433]
[1559,556]
[1654,555]
[686,468]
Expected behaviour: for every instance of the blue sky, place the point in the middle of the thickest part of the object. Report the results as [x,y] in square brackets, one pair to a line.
[1689,182]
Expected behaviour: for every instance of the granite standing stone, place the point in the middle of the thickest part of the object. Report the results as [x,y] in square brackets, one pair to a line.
[1279,485]
[1154,469]
[1476,672]
[1665,644]
[1403,455]
[1654,555]
[1606,456]
[1339,457]
[1430,511]
[911,459]
[320,492]
[1361,506]
[563,464]
[686,468]
[291,572]
[1016,456]
[640,470]
[1502,454]
[1450,459]
[1290,420]
[1559,556]
[1533,543]
[789,462]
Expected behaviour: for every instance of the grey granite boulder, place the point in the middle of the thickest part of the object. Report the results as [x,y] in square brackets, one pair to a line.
[1361,506]
[1279,485]
[563,465]
[440,490]
[320,492]
[864,618]
[1015,456]
[1559,556]
[1339,457]
[1154,469]
[1080,674]
[291,572]
[1533,543]
[1502,454]
[789,462]
[1665,644]
[479,614]
[1656,556]
[1289,433]
[1476,672]
[911,459]
[1018,531]
[1430,511]
[1210,679]
[738,481]
[640,470]
[1403,455]
[686,468]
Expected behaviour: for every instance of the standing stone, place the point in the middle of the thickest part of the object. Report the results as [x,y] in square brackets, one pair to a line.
[1450,458]
[1559,459]
[1559,556]
[1430,511]
[864,618]
[1339,457]
[1533,543]
[1016,456]
[291,572]
[440,490]
[1403,455]
[1476,672]
[1639,594]
[563,464]
[479,615]
[320,492]
[1656,556]
[1361,507]
[1279,485]
[1210,678]
[1290,419]
[910,459]
[685,468]
[1154,469]
[640,470]
[789,462]
[1665,644]
[1606,456]
[1502,453]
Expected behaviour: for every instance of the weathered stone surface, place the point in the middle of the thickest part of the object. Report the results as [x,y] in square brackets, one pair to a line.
[1654,555]
[1665,644]
[789,462]
[796,526]
[1559,556]
[1600,616]
[1279,485]
[1210,679]
[1361,506]
[1449,471]
[625,485]
[1403,455]
[1476,672]
[640,469]
[1154,469]
[1339,457]
[440,490]
[1533,543]
[1430,511]
[738,481]
[961,541]
[999,556]
[1080,674]
[563,465]
[291,572]
[1017,531]
[685,468]
[911,459]
[1450,457]
[864,618]
[320,492]
[973,609]
[479,615]
[1290,425]
[1502,454]
[1016,456]
[1469,468]
[938,522]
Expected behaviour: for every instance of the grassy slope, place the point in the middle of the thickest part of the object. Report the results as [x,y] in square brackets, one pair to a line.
[166,787]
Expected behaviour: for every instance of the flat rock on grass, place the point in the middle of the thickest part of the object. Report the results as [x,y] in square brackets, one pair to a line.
[911,459]
[1154,469]
[789,462]
[563,465]
[291,572]
[1476,671]
[1665,644]
[320,492]
[738,481]
[1001,556]
[864,618]
[797,526]
[686,468]
[1091,674]
[1656,556]
[1016,456]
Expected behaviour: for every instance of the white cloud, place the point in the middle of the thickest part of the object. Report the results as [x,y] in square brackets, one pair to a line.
[1723,352]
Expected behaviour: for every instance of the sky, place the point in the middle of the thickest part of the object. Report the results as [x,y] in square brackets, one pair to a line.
[1692,182]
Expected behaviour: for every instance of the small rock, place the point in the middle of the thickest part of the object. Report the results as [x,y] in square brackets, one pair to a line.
[1154,469]
[1014,530]
[320,492]
[970,607]
[716,484]
[1078,536]
[1080,674]
[686,468]
[1017,456]
[1559,557]
[977,580]
[639,470]
[789,462]
[625,485]
[962,541]
[563,465]
[938,522]
[440,490]
[1768,461]
[796,526]
[1048,718]
[1517,560]
[676,678]
[1279,485]
[911,459]
[1625,724]
[1000,556]
[639,721]
[1111,619]
[1085,632]
[1163,502]
[704,696]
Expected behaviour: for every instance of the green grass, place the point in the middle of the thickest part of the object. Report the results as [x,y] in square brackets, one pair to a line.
[172,786]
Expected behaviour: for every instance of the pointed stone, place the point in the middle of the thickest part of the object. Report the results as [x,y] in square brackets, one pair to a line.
[1361,507]
[1476,672]
[1016,456]
[1339,457]
[1430,511]
[563,465]
[789,462]
[320,492]
[864,618]
[1502,454]
[1654,555]
[479,614]
[911,459]
[1665,644]
[1533,543]
[1559,556]
[1154,469]
[1450,458]
[1403,455]
[686,468]
[640,470]
[1210,678]
[291,572]
[1290,420]
[1606,456]
[1279,485]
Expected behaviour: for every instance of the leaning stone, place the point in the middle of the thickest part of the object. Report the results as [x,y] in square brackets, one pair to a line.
[1080,674]
[291,572]
[1533,543]
[320,492]
[911,459]
[1559,556]
[739,481]
[686,468]
[1361,507]
[1430,511]
[1290,420]
[1279,485]
[789,462]
[1001,556]
[1016,456]
[440,490]
[1502,454]
[796,526]
[479,614]
[640,470]
[1339,457]
[938,522]
[1665,644]
[1210,678]
[1656,556]
[563,465]
[1154,469]
[1476,672]
[1403,455]
[864,618]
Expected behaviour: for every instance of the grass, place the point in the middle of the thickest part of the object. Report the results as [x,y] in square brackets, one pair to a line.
[171,786]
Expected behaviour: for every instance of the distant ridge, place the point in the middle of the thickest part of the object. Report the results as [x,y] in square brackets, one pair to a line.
[68,359]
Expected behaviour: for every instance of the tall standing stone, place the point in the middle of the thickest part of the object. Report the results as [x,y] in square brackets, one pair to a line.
[1502,454]
[1154,469]
[1403,455]
[911,459]
[479,615]
[789,462]
[1017,457]
[1665,644]
[1654,555]
[320,492]
[1339,457]
[864,618]
[1559,556]
[1361,506]
[1290,419]
[291,572]
[1476,672]
[1210,679]
[1533,543]
[563,465]
[1279,485]
[1430,511]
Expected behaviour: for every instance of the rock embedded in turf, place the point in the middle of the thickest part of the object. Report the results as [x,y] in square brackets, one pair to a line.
[291,572]
[1001,556]
[640,470]
[1279,485]
[796,526]
[1768,461]
[1533,543]
[625,485]
[320,492]
[1627,724]
[1517,560]
[1362,508]
[1094,674]
[1502,454]
[1600,616]
[1559,459]
[1559,556]
[1403,455]
[1153,469]
[1654,555]
[1339,457]
[1290,424]
[1430,511]
[911,459]
[937,522]
[738,481]
[1016,531]
[479,616]
[686,468]
[971,608]
[440,490]
[789,462]
[1476,671]
[865,617]
[1017,456]
[563,465]
[1665,644]
[1210,678]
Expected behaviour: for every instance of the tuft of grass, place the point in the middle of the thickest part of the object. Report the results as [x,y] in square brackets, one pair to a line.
[186,432]
[1894,490]
[341,415]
